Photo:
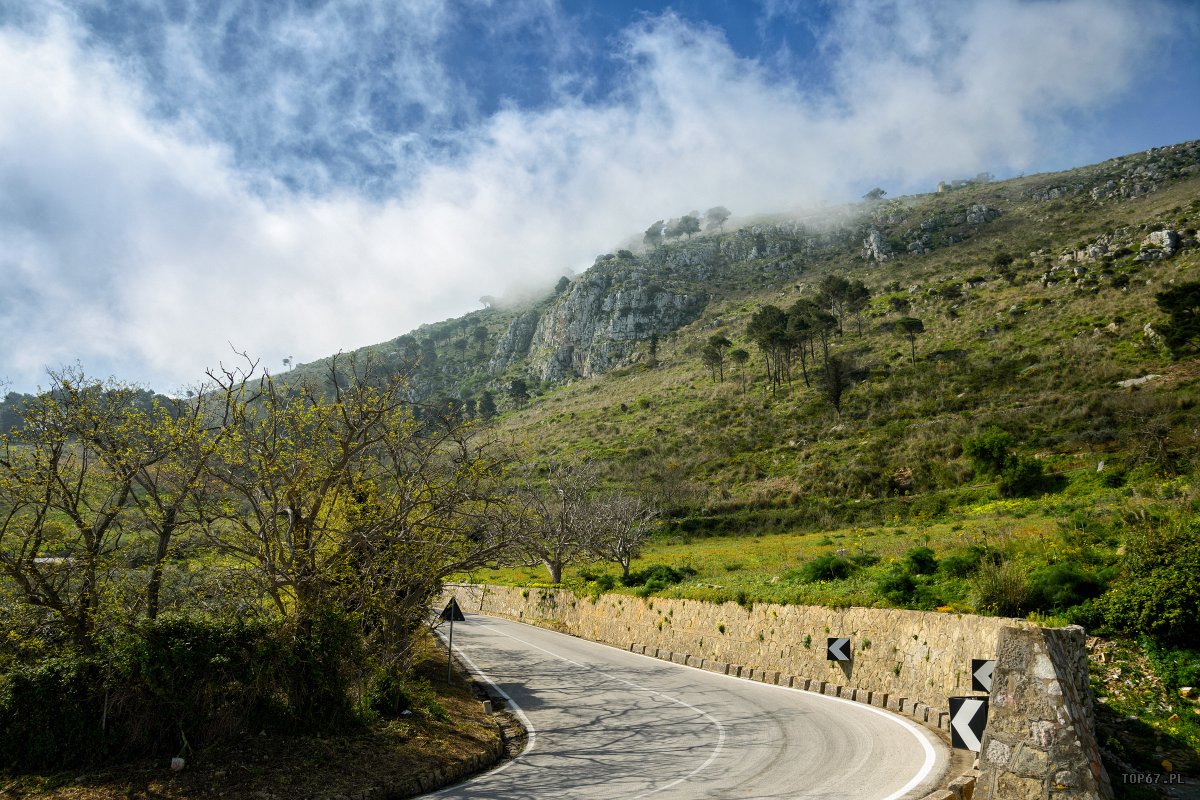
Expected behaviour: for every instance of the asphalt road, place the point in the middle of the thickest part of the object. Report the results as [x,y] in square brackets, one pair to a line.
[605,723]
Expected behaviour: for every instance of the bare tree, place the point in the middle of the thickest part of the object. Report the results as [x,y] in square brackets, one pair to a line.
[620,527]
[559,525]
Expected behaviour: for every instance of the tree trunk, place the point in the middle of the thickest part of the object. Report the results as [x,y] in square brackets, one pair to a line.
[154,588]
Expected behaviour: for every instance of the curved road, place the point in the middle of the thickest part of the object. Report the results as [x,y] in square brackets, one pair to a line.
[606,723]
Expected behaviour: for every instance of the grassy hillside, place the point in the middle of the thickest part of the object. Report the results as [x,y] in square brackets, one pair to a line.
[1040,357]
[1038,303]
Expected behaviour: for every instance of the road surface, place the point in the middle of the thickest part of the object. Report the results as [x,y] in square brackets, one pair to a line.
[609,724]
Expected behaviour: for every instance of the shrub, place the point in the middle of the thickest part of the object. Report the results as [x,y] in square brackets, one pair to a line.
[897,586]
[1175,666]
[1060,586]
[988,451]
[823,568]
[964,564]
[1157,592]
[659,574]
[921,561]
[1001,589]
[177,681]
[1021,476]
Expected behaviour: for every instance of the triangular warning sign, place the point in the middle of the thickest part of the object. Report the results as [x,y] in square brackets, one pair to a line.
[452,612]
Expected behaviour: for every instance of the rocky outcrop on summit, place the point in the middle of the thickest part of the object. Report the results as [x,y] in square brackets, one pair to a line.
[605,321]
[1128,176]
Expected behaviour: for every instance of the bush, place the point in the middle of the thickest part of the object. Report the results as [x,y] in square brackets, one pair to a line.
[897,586]
[988,451]
[823,568]
[660,575]
[1001,589]
[1175,666]
[174,682]
[964,564]
[921,561]
[1157,592]
[1060,586]
[1021,477]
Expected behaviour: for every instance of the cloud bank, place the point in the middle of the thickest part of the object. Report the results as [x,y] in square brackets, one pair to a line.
[142,236]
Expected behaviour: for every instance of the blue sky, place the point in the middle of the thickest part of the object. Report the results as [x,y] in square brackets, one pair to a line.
[180,177]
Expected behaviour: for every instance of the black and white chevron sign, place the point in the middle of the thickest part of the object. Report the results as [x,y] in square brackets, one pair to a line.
[968,718]
[838,650]
[981,674]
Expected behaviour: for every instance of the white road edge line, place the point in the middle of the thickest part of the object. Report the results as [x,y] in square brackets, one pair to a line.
[530,731]
[720,728]
[911,727]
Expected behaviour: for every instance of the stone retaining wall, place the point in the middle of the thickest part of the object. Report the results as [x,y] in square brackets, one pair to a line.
[1040,738]
[909,661]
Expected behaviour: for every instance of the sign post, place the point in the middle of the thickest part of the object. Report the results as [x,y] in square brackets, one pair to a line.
[451,613]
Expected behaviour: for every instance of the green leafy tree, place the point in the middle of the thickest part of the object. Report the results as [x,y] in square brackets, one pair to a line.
[518,391]
[911,327]
[716,217]
[1181,332]
[653,236]
[714,354]
[836,380]
[686,226]
[768,329]
[487,404]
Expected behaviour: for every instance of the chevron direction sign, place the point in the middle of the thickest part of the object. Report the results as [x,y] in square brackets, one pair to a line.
[968,717]
[981,674]
[837,650]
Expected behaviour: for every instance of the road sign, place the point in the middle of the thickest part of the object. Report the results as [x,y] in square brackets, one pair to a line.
[968,718]
[981,674]
[452,612]
[838,650]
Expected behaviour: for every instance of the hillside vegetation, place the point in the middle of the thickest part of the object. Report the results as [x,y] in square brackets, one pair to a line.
[980,400]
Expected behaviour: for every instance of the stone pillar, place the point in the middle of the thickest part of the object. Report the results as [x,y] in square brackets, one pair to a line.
[1040,740]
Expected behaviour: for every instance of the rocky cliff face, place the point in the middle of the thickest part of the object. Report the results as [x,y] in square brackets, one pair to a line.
[606,319]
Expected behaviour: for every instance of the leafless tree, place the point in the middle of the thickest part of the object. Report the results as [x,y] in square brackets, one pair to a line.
[620,527]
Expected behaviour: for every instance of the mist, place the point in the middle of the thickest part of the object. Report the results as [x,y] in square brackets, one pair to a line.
[145,245]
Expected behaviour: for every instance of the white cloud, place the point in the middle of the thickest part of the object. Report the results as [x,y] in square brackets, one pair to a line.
[137,245]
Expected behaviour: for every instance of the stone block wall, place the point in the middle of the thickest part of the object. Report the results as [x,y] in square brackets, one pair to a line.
[1040,738]
[903,657]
